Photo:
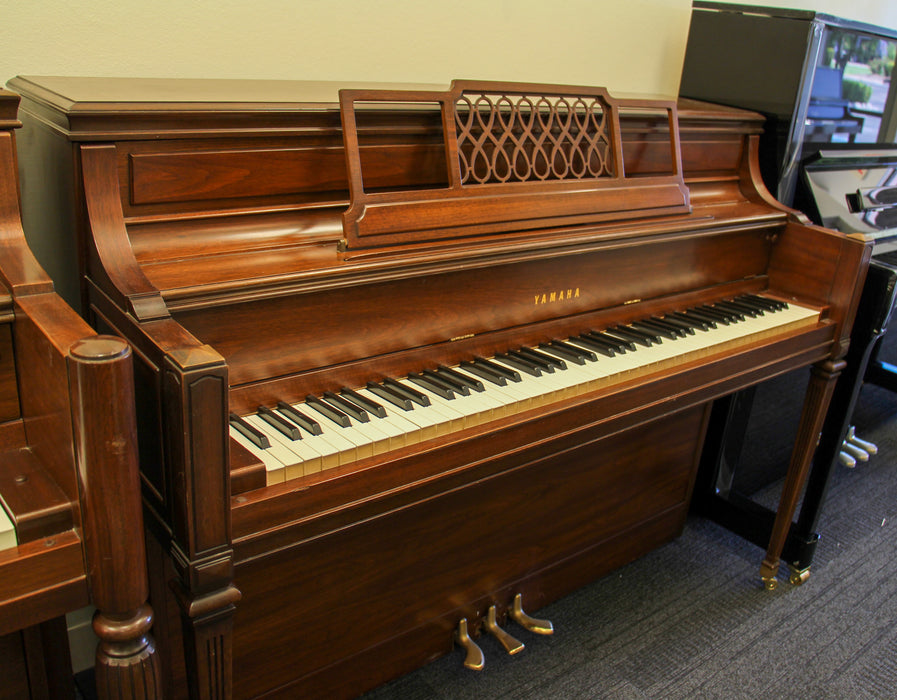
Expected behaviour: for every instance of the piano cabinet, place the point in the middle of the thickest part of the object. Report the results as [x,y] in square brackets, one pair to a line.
[68,479]
[277,245]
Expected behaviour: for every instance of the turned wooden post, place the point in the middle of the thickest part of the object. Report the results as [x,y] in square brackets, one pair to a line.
[102,387]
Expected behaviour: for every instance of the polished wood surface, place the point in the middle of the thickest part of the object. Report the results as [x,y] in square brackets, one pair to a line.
[226,239]
[68,478]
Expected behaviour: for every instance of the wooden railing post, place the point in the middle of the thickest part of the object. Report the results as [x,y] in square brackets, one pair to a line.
[101,383]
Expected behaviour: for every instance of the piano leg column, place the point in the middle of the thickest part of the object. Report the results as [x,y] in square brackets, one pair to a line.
[207,624]
[819,393]
[195,394]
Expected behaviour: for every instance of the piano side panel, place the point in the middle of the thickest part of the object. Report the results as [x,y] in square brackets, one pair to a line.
[9,392]
[447,556]
[814,263]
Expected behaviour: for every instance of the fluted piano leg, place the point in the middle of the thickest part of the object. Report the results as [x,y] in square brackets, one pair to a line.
[816,402]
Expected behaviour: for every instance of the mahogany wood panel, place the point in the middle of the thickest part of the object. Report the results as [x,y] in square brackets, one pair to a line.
[305,331]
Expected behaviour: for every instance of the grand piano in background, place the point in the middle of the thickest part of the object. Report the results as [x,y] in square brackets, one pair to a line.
[69,485]
[567,280]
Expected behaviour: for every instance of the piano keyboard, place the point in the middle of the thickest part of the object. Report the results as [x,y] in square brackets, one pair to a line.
[326,431]
[7,530]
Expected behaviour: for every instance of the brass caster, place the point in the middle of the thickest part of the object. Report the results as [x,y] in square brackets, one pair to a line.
[770,583]
[799,576]
[511,645]
[531,624]
[474,659]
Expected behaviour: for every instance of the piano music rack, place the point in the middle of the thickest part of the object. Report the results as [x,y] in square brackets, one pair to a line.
[517,157]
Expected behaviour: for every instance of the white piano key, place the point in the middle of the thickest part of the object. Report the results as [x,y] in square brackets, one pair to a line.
[298,457]
[7,530]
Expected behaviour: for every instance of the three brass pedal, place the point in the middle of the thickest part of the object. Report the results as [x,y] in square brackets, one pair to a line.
[474,657]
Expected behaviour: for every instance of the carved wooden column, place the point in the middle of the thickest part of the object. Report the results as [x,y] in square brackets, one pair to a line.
[105,443]
[816,402]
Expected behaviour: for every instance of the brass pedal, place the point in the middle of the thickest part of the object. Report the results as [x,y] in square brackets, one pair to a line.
[511,645]
[474,659]
[528,623]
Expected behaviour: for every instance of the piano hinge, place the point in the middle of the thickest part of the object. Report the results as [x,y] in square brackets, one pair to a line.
[631,301]
[342,245]
[461,337]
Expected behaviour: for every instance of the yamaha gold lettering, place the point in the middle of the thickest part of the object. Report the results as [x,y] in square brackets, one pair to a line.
[557,296]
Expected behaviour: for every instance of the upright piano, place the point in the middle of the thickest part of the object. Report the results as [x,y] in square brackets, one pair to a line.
[412,363]
[70,514]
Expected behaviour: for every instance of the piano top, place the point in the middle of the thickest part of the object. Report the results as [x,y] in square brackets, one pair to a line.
[93,108]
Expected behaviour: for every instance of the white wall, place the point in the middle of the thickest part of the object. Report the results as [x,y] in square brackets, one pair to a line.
[631,46]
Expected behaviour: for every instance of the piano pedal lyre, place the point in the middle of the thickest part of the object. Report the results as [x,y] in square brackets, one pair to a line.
[474,658]
[531,624]
[511,645]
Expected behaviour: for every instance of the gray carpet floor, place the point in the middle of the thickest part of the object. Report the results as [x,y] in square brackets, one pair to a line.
[691,620]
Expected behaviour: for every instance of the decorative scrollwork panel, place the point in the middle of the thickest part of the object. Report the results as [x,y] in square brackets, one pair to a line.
[532,138]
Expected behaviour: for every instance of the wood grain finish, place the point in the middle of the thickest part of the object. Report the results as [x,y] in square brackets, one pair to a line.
[215,244]
[68,469]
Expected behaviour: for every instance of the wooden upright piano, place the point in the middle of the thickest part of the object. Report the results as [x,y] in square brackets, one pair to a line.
[413,363]
[69,486]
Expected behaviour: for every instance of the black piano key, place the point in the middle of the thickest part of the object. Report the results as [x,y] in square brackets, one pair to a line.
[599,345]
[432,385]
[508,373]
[618,344]
[732,312]
[543,365]
[393,397]
[549,360]
[649,336]
[299,418]
[251,433]
[456,386]
[279,423]
[363,402]
[773,304]
[521,363]
[328,411]
[705,323]
[754,302]
[687,327]
[660,329]
[744,308]
[578,349]
[408,392]
[568,353]
[347,407]
[717,315]
[484,373]
[630,338]
[466,380]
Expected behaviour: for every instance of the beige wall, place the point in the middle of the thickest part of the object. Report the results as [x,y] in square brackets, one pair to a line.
[627,46]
